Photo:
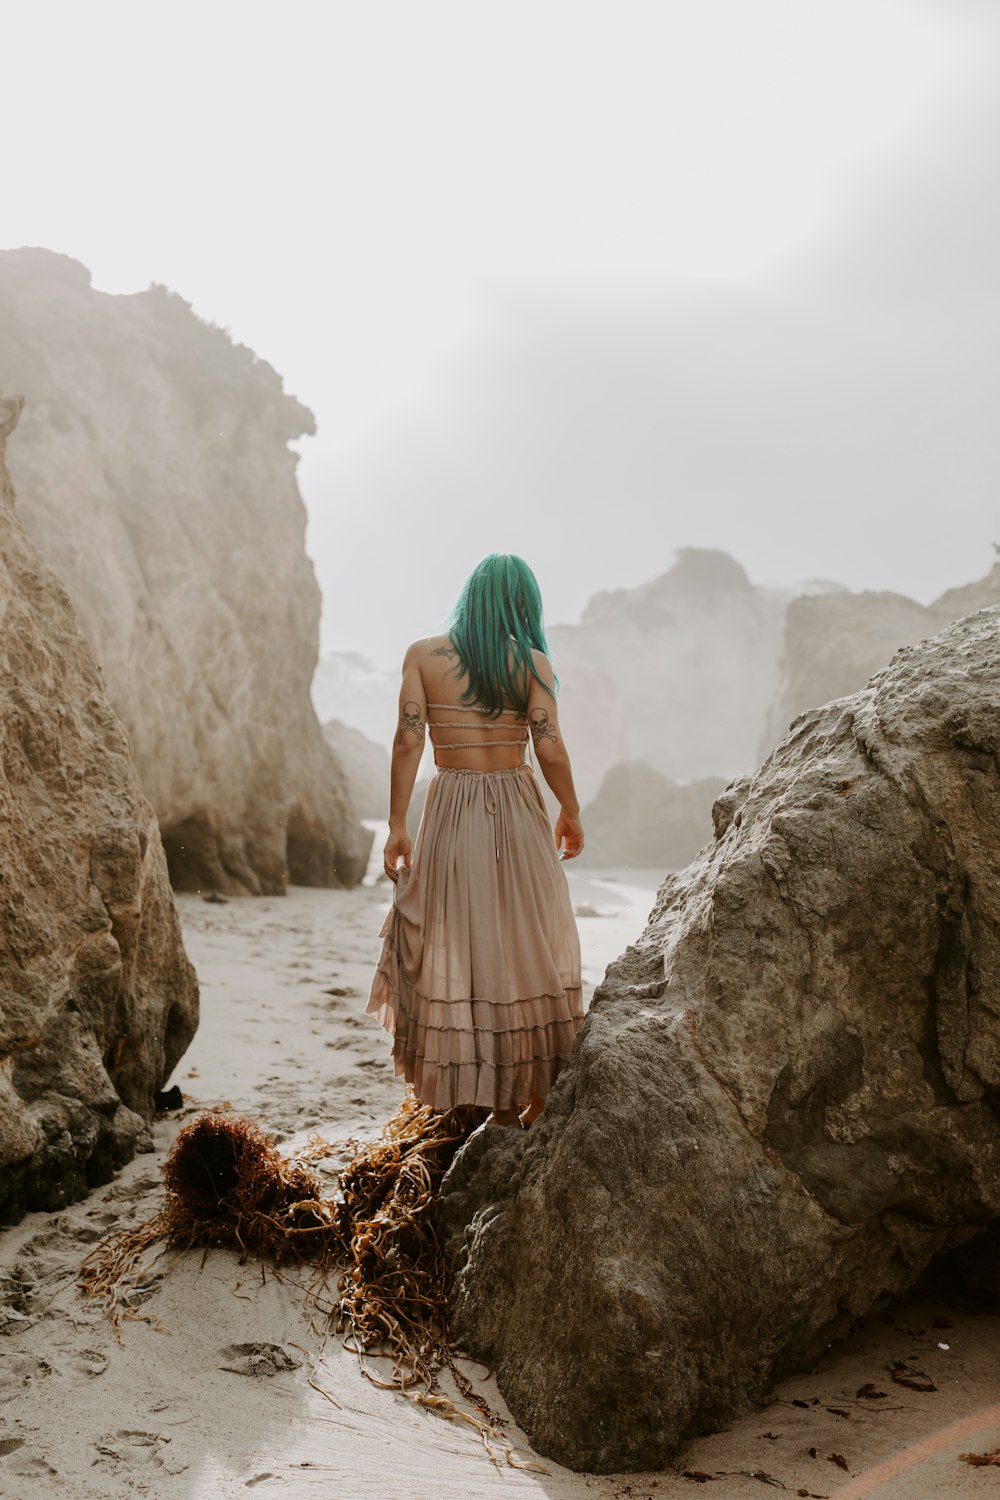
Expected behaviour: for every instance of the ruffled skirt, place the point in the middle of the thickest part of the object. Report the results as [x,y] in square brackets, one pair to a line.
[478,981]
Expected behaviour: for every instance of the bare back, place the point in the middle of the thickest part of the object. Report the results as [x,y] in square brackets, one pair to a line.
[464,736]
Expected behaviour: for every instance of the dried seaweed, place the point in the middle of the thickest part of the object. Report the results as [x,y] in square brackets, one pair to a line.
[381,1279]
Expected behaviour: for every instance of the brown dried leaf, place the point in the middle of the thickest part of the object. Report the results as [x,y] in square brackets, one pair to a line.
[801,1403]
[698,1475]
[980,1460]
[914,1380]
[871,1392]
[839,1460]
[838,1411]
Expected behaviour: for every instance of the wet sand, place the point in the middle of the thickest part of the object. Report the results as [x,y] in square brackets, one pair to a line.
[230,1393]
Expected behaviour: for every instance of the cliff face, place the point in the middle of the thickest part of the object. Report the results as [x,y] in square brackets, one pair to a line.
[835,642]
[677,673]
[97,998]
[782,1104]
[154,474]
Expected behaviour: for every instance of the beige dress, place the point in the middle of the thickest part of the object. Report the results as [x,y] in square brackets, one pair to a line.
[478,981]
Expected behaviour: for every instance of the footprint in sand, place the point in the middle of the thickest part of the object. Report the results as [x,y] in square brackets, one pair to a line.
[27,1466]
[19,1372]
[126,1449]
[258,1359]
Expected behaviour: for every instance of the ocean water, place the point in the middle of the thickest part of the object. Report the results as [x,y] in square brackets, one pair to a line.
[612,906]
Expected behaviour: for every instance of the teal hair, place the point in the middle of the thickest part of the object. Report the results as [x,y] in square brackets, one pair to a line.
[498,614]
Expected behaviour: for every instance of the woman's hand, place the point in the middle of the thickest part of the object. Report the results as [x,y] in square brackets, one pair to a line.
[569,833]
[397,847]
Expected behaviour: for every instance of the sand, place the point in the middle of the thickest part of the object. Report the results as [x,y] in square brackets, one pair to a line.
[231,1390]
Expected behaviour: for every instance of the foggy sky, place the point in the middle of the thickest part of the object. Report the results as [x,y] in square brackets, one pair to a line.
[835,418]
[583,279]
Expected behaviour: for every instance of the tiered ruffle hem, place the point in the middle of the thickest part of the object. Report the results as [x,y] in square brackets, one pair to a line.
[478,981]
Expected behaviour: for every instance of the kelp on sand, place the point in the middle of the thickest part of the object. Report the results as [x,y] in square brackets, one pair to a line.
[379,1278]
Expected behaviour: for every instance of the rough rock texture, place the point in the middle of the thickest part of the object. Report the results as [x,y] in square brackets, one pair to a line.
[640,817]
[97,998]
[678,673]
[153,471]
[835,642]
[784,1101]
[365,765]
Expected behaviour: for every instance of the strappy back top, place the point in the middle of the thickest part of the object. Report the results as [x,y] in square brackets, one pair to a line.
[479,722]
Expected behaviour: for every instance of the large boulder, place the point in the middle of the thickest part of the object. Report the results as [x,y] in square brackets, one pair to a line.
[783,1102]
[97,998]
[154,473]
[640,817]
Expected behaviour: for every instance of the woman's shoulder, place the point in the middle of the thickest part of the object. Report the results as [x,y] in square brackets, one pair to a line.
[430,646]
[542,666]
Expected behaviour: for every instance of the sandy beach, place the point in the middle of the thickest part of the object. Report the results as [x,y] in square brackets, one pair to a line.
[228,1389]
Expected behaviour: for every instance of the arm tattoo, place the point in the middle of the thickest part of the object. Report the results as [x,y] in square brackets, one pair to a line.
[448,651]
[411,720]
[542,727]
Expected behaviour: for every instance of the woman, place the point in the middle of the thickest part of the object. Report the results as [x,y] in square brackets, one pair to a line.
[479,976]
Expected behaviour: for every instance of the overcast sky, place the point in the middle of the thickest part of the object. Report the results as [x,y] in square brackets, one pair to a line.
[586,281]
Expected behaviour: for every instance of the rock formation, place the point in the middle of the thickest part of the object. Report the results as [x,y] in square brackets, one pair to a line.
[154,474]
[98,998]
[782,1105]
[835,642]
[678,673]
[365,765]
[642,818]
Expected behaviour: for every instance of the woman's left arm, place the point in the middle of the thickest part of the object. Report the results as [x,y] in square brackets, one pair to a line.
[407,748]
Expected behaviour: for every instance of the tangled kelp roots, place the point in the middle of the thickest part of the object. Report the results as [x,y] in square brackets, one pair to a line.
[381,1279]
[227,1184]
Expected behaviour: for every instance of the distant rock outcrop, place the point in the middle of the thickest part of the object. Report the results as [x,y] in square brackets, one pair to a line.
[98,998]
[678,673]
[365,766]
[782,1105]
[347,686]
[835,642]
[981,594]
[640,817]
[154,473]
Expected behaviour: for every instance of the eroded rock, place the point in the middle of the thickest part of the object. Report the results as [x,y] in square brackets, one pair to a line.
[97,998]
[154,474]
[783,1103]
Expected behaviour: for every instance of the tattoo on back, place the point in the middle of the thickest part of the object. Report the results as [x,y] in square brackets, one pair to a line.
[542,727]
[448,651]
[411,720]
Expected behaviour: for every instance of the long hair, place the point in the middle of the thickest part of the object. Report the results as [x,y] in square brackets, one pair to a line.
[498,615]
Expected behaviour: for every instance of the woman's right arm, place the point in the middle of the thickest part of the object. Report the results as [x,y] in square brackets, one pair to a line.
[407,748]
[553,757]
